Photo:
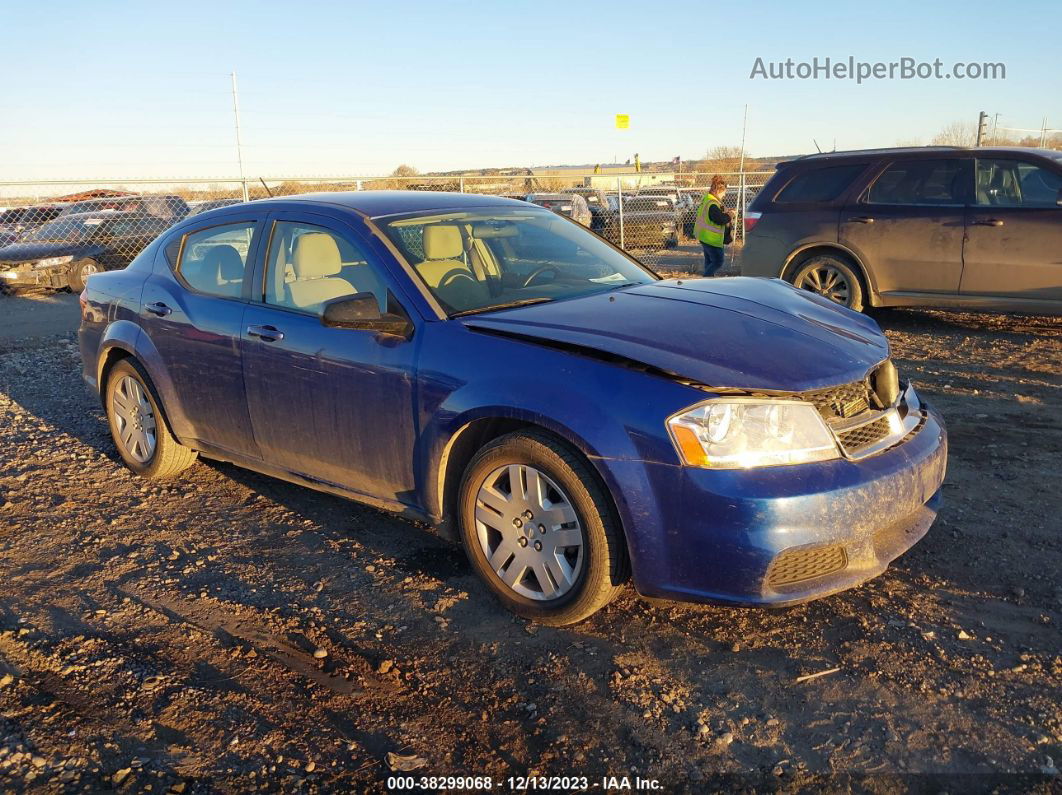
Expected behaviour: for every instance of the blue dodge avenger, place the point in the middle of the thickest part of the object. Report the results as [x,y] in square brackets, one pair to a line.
[504,374]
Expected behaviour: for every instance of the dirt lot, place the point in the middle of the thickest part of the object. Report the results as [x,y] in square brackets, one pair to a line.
[232,631]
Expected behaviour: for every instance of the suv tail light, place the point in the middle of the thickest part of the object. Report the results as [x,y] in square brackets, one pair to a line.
[750,220]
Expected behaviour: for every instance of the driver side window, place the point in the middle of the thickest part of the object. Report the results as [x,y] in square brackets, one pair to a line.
[309,265]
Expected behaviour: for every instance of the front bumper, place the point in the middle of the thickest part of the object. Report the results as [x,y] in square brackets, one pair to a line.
[782,535]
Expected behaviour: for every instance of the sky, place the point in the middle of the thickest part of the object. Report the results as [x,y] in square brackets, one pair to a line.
[143,90]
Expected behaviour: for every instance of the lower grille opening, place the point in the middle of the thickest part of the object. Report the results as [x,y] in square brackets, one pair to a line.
[805,563]
[865,435]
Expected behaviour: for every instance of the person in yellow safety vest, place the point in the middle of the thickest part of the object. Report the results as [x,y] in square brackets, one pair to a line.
[713,226]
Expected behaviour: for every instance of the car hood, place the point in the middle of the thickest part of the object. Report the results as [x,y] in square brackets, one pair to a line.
[742,333]
[27,252]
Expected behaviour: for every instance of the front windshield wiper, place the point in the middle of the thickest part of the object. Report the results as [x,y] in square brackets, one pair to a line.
[507,305]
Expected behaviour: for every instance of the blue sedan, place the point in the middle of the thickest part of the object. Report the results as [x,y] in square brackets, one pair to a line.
[507,376]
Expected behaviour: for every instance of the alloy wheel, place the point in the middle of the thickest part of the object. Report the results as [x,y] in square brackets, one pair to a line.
[529,532]
[827,281]
[88,269]
[134,419]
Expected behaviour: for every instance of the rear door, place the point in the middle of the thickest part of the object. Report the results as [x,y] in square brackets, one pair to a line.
[1014,231]
[192,309]
[332,404]
[907,226]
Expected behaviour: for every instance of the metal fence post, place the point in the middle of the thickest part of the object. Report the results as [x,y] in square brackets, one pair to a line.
[619,195]
[462,184]
[740,231]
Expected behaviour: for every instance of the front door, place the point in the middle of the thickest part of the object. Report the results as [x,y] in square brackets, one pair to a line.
[1014,232]
[907,227]
[335,405]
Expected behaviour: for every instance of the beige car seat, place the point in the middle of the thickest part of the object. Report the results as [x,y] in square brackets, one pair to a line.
[315,263]
[450,278]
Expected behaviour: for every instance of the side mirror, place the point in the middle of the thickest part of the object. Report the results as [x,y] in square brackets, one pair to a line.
[362,313]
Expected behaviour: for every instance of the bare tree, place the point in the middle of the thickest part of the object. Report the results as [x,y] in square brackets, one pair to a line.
[958,133]
[722,159]
[405,171]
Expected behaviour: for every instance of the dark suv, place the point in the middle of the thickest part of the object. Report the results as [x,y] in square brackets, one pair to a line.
[928,226]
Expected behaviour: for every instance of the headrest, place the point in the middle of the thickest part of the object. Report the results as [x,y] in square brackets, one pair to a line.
[442,241]
[316,255]
[228,262]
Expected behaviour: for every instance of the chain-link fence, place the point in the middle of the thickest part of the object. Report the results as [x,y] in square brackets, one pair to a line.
[56,234]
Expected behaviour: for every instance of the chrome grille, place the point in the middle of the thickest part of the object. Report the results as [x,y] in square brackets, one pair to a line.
[800,564]
[841,402]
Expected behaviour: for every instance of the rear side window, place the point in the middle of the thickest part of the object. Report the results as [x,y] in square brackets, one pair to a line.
[820,184]
[922,182]
[1015,183]
[214,260]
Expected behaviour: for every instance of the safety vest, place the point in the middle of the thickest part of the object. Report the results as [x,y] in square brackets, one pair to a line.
[703,228]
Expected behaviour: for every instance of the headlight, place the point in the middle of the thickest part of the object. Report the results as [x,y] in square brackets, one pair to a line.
[49,261]
[738,434]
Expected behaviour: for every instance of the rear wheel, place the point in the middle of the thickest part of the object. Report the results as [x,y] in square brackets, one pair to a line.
[539,529]
[138,427]
[79,272]
[831,277]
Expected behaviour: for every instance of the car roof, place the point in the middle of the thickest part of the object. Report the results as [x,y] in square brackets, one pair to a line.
[375,203]
[916,150]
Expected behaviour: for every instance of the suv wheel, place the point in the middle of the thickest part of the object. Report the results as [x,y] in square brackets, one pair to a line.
[538,529]
[833,278]
[79,273]
[138,427]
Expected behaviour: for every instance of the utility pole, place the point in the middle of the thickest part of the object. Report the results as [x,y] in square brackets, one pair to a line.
[982,128]
[1043,134]
[239,143]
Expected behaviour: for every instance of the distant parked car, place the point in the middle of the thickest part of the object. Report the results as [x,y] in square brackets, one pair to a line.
[18,221]
[648,223]
[601,215]
[165,206]
[929,226]
[511,379]
[65,252]
[571,205]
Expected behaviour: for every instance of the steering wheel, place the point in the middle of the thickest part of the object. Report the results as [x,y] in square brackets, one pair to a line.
[452,276]
[538,272]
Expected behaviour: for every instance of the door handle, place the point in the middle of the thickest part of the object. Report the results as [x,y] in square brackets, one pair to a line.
[988,222]
[158,308]
[265,333]
[862,219]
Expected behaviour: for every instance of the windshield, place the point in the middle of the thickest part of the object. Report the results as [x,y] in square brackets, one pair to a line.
[477,261]
[64,230]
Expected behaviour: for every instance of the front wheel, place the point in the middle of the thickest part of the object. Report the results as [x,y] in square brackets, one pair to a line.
[832,278]
[539,529]
[138,427]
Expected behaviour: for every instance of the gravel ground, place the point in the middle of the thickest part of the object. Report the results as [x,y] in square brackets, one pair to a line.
[232,631]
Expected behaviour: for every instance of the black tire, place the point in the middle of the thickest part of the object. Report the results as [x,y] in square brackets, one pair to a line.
[605,566]
[802,276]
[76,275]
[169,457]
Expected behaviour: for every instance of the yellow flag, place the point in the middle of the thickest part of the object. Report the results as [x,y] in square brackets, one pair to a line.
[623,121]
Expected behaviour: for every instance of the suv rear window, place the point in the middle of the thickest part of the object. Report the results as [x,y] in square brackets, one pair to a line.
[922,182]
[820,184]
